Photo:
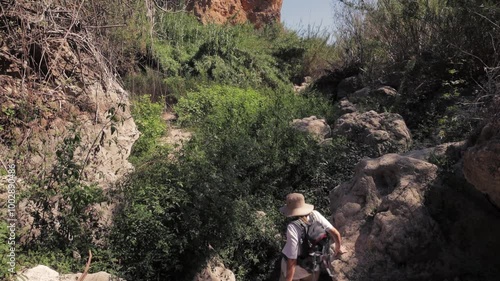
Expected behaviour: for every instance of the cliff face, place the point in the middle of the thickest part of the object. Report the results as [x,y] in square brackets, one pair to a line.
[258,12]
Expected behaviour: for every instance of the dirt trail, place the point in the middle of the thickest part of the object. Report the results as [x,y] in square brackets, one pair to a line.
[175,136]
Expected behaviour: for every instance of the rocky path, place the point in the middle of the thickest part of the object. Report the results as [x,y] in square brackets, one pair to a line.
[175,136]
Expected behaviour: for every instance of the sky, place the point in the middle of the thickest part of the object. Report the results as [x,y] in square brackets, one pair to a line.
[299,14]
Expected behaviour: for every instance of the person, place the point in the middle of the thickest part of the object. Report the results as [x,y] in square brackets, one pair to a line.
[297,208]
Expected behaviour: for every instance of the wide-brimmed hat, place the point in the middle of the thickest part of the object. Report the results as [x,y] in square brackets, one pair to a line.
[296,206]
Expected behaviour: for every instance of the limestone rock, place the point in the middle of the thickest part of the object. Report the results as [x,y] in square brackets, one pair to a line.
[482,162]
[382,218]
[374,99]
[438,151]
[258,12]
[346,106]
[316,127]
[83,96]
[39,273]
[385,132]
[215,271]
[44,273]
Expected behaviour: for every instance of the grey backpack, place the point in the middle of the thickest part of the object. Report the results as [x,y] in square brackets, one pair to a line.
[312,244]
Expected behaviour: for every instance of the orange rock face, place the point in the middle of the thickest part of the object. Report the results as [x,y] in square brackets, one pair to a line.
[258,12]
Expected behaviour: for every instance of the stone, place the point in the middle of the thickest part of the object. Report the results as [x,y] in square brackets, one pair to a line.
[38,273]
[482,162]
[381,216]
[215,271]
[345,106]
[316,127]
[359,95]
[427,154]
[385,132]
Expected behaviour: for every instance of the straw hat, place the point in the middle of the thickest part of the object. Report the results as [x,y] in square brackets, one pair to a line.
[296,206]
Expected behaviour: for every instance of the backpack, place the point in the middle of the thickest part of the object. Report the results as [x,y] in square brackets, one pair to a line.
[313,244]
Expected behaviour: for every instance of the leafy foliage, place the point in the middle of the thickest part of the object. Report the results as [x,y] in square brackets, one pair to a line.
[147,116]
[244,158]
[63,207]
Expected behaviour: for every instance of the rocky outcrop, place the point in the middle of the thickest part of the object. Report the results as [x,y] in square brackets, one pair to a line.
[316,127]
[385,132]
[70,99]
[382,217]
[44,273]
[215,271]
[258,12]
[482,162]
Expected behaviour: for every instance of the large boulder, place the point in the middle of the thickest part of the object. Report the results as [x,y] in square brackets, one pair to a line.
[384,132]
[44,273]
[382,218]
[482,162]
[39,273]
[258,12]
[313,125]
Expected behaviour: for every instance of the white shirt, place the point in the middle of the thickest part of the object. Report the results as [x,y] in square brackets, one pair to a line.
[292,249]
[294,232]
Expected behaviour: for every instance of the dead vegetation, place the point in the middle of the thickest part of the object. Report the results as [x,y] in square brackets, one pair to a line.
[47,60]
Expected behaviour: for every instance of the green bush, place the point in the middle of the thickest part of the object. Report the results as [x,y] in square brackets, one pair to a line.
[243,158]
[63,208]
[147,116]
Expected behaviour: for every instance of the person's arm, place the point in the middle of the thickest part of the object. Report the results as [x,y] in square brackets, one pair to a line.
[290,269]
[338,240]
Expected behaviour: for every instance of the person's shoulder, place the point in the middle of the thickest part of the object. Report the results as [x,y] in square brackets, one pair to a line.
[293,226]
[317,214]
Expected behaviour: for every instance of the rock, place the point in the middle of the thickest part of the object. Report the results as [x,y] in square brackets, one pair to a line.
[258,12]
[384,96]
[482,162]
[44,273]
[359,95]
[385,132]
[98,110]
[316,127]
[346,106]
[38,273]
[438,151]
[348,86]
[377,99]
[381,215]
[215,271]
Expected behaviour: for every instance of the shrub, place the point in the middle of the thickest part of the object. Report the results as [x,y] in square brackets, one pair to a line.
[147,116]
[63,208]
[244,158]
